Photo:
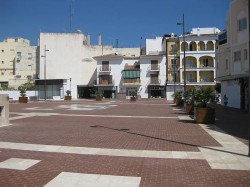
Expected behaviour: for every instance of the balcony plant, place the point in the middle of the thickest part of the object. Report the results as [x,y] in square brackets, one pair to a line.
[99,95]
[133,95]
[68,95]
[204,113]
[178,98]
[22,89]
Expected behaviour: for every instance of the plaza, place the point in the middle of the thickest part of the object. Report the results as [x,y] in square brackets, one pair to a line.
[121,143]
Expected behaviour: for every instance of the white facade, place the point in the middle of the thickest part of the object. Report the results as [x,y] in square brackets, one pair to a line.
[232,56]
[119,75]
[18,62]
[154,46]
[69,60]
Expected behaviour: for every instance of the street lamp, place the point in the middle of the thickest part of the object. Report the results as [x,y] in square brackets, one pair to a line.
[183,34]
[70,85]
[45,50]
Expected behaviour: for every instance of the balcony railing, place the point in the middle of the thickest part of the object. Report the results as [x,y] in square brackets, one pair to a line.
[131,81]
[105,68]
[106,82]
[154,68]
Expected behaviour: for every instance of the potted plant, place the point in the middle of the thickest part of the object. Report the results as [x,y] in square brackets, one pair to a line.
[99,95]
[178,98]
[189,98]
[22,89]
[68,95]
[133,95]
[204,113]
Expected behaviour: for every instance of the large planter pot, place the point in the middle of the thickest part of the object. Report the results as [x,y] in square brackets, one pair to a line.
[205,115]
[67,98]
[98,98]
[179,102]
[23,99]
[132,98]
[189,108]
[174,100]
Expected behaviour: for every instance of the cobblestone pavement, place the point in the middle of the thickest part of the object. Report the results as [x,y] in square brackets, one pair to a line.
[118,143]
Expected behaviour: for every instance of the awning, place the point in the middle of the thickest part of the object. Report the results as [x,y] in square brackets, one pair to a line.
[131,74]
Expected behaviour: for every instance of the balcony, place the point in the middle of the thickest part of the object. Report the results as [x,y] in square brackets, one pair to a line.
[105,69]
[154,68]
[131,82]
[105,83]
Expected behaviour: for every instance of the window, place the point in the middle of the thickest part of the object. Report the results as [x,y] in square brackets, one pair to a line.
[29,56]
[173,77]
[2,73]
[205,77]
[189,63]
[19,55]
[2,62]
[16,40]
[2,51]
[173,63]
[245,54]
[190,77]
[242,24]
[173,48]
[237,56]
[205,62]
[29,67]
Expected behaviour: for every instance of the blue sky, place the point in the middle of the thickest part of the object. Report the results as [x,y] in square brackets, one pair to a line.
[125,20]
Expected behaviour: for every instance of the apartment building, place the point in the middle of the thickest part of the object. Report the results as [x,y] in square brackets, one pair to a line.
[18,62]
[69,64]
[119,74]
[233,56]
[199,48]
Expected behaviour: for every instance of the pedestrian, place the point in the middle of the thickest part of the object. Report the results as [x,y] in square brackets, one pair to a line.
[225,100]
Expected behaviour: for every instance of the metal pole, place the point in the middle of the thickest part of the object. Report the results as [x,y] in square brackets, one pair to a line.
[249,76]
[45,71]
[70,85]
[184,60]
[45,96]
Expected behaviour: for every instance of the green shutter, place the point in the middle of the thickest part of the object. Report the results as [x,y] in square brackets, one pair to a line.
[131,74]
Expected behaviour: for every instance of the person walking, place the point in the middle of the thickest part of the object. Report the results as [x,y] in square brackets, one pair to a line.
[225,100]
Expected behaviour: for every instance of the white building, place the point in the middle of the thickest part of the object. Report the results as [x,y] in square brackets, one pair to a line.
[69,64]
[118,74]
[233,56]
[18,62]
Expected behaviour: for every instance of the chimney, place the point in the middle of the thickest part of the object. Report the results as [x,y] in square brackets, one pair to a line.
[88,39]
[99,39]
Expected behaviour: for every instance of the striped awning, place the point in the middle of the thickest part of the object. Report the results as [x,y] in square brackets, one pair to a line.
[131,74]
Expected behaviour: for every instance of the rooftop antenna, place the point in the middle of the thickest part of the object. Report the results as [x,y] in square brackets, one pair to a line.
[71,14]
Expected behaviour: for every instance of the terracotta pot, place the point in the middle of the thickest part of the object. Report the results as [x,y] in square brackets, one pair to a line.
[132,98]
[98,98]
[23,99]
[67,98]
[179,102]
[189,108]
[205,115]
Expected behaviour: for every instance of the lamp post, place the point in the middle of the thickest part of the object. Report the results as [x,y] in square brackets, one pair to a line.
[70,85]
[45,50]
[184,59]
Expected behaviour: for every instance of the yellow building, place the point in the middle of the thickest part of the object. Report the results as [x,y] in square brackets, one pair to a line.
[199,47]
[18,62]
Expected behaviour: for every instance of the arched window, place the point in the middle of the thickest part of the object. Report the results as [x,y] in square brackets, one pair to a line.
[192,46]
[201,46]
[210,46]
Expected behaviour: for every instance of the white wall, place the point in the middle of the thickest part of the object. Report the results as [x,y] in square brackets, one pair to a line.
[16,94]
[153,45]
[232,90]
